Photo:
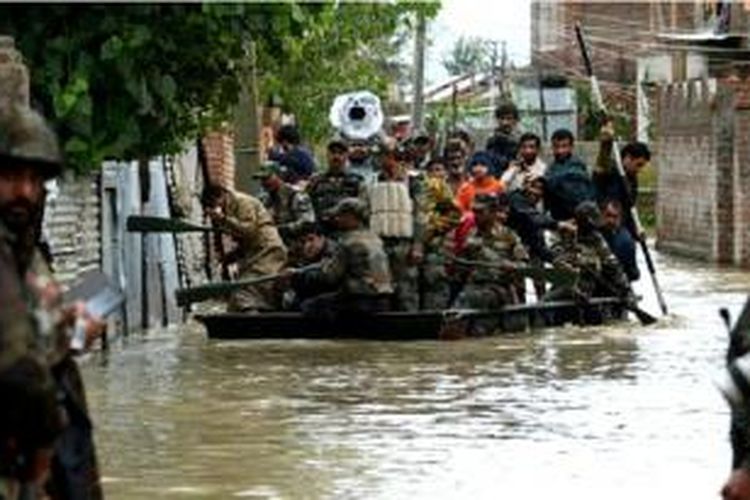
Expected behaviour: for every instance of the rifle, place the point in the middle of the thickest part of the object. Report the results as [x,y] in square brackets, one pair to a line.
[187,296]
[554,275]
[597,98]
[150,224]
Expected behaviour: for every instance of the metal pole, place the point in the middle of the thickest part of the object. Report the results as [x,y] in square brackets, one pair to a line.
[417,116]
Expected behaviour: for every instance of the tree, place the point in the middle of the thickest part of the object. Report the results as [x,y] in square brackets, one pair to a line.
[133,81]
[347,47]
[469,55]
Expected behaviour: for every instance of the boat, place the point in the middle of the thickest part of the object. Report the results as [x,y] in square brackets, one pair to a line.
[419,325]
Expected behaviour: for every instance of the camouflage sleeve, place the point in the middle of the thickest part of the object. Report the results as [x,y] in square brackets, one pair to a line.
[611,268]
[331,272]
[302,211]
[16,323]
[519,250]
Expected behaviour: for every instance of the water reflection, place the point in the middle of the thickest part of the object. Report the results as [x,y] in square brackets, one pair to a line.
[620,412]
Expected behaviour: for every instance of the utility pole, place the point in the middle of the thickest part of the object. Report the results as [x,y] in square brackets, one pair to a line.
[417,114]
[494,82]
[504,93]
[247,125]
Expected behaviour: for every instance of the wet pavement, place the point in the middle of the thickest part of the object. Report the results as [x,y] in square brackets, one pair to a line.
[616,412]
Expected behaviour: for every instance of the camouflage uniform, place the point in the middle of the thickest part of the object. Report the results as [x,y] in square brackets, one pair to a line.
[290,208]
[442,216]
[590,254]
[491,287]
[358,268]
[326,190]
[30,314]
[260,250]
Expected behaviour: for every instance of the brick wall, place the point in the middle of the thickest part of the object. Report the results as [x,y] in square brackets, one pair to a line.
[703,207]
[219,147]
[615,31]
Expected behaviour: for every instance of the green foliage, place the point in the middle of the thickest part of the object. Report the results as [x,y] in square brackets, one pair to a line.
[469,55]
[130,81]
[344,47]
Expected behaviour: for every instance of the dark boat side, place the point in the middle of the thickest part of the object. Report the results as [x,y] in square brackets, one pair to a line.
[421,325]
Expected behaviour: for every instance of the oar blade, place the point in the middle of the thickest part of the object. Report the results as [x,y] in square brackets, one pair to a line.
[152,224]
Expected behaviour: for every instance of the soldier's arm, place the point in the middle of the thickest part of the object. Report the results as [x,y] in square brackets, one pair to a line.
[242,222]
[611,268]
[302,211]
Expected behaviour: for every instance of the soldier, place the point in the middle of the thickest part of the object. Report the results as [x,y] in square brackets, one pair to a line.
[586,252]
[327,189]
[443,217]
[30,423]
[396,216]
[32,318]
[259,249]
[361,160]
[315,247]
[496,250]
[289,206]
[358,269]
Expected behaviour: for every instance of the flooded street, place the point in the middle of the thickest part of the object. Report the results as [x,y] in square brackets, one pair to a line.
[622,412]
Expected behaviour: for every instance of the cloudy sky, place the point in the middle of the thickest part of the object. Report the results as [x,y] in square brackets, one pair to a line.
[506,20]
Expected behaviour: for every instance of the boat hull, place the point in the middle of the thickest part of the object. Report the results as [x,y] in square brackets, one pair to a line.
[421,325]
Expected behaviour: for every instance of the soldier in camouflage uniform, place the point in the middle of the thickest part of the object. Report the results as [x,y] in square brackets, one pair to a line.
[260,250]
[288,204]
[358,269]
[32,319]
[587,252]
[443,217]
[327,189]
[498,248]
[315,247]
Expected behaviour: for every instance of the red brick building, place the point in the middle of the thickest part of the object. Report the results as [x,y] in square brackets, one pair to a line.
[617,32]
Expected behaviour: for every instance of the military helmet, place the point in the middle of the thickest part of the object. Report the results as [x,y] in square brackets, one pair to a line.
[27,140]
[353,206]
[588,212]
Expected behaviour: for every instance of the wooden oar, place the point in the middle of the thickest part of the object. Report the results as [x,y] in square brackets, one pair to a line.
[186,296]
[554,275]
[151,224]
[629,197]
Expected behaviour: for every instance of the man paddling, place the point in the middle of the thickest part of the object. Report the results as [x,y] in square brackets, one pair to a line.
[259,251]
[358,269]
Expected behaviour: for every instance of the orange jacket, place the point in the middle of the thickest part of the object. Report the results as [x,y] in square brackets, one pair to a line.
[471,188]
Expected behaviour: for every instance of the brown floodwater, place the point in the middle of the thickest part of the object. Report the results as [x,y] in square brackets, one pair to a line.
[620,412]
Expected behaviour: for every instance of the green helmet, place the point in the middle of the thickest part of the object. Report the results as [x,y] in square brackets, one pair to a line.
[27,140]
[353,206]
